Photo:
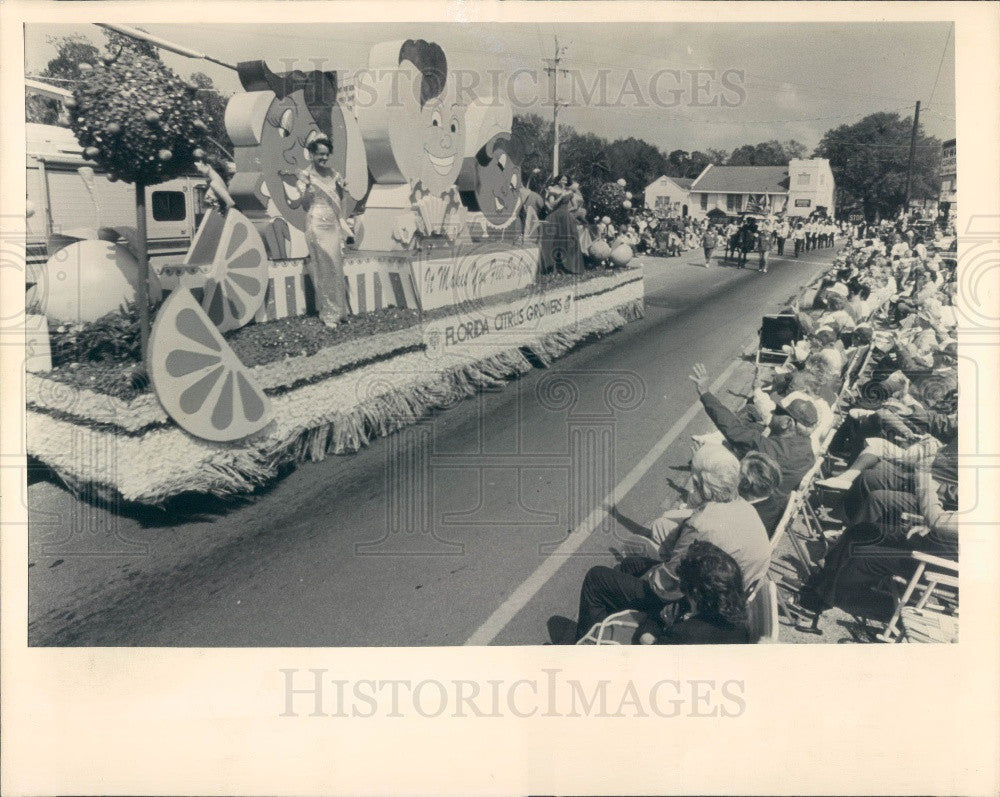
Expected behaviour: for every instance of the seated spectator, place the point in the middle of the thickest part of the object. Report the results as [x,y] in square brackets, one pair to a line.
[712,585]
[786,439]
[718,515]
[760,478]
[920,514]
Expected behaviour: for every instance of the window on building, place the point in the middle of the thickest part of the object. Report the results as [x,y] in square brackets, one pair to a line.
[734,202]
[662,201]
[168,206]
[803,179]
[704,201]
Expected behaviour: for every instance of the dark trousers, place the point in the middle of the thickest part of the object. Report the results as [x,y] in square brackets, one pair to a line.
[880,496]
[798,246]
[608,590]
[781,246]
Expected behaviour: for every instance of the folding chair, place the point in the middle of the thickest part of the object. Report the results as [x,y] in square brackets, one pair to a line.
[615,629]
[933,617]
[789,580]
[762,612]
[777,331]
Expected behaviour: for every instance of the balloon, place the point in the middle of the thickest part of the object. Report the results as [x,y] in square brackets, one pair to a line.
[621,255]
[626,204]
[87,279]
[628,194]
[600,250]
[621,182]
[606,220]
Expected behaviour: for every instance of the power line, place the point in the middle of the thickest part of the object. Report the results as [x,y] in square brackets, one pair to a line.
[941,63]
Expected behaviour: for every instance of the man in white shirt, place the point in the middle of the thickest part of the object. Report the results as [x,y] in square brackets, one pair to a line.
[799,237]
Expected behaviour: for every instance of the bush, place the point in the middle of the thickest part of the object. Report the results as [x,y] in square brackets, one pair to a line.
[608,200]
[111,338]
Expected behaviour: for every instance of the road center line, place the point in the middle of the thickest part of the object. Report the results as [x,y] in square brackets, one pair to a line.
[520,597]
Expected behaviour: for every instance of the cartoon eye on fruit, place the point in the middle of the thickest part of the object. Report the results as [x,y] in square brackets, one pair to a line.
[198,378]
[498,180]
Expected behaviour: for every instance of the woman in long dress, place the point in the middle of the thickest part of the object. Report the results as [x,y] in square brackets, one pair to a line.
[560,240]
[322,192]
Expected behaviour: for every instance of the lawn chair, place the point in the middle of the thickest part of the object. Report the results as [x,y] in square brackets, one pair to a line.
[777,331]
[615,629]
[762,612]
[933,616]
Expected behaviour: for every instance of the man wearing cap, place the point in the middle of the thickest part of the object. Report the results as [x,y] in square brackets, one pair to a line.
[720,516]
[788,442]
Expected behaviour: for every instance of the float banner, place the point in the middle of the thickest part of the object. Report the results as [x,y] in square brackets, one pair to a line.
[473,273]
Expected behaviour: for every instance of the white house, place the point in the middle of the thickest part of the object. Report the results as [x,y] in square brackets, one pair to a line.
[799,189]
[810,186]
[669,195]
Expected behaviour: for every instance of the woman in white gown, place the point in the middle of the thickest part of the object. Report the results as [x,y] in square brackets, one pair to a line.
[322,194]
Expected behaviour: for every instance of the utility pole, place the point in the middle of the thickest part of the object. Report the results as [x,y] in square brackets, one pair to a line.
[554,70]
[909,165]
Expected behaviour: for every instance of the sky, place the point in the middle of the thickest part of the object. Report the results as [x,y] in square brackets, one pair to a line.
[768,81]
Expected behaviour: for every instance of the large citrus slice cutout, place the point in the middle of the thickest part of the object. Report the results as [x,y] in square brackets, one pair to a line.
[198,378]
[236,281]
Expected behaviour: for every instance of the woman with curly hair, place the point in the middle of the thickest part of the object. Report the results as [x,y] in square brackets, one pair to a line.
[713,587]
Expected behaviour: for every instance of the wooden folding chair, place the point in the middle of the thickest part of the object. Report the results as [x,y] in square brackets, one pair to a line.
[933,616]
[762,612]
[615,629]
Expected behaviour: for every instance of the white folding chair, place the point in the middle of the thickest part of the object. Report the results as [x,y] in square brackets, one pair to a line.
[933,615]
[615,629]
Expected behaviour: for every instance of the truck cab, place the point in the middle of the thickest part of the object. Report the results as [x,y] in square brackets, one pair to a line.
[65,199]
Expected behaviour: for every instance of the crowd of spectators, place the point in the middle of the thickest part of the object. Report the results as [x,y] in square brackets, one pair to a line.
[893,423]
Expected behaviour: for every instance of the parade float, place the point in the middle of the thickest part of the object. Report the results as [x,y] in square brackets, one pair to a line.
[242,378]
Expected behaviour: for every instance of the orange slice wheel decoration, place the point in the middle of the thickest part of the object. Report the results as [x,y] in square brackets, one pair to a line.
[237,284]
[198,378]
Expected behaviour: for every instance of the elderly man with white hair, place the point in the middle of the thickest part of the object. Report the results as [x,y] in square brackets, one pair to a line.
[716,513]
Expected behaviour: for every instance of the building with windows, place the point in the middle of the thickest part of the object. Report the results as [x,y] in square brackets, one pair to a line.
[948,195]
[669,195]
[803,187]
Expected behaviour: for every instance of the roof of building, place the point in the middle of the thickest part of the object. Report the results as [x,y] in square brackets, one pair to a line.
[681,182]
[743,180]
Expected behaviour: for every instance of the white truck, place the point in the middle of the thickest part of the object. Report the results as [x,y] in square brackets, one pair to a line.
[61,200]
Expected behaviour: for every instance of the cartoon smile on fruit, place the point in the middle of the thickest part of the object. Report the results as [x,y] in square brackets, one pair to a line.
[443,133]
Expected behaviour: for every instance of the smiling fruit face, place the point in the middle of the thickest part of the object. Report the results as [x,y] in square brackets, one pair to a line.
[270,139]
[498,180]
[442,130]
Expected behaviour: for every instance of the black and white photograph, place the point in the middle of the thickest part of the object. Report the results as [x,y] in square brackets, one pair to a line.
[531,332]
[407,349]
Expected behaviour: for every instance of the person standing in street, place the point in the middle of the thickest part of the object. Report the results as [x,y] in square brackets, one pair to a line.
[708,242]
[781,235]
[763,248]
[799,237]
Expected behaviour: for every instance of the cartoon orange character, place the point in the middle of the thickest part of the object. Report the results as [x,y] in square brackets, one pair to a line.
[414,132]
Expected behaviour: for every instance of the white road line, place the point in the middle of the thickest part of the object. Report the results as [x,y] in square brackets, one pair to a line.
[519,598]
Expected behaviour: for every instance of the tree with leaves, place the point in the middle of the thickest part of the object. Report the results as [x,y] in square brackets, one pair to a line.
[869,162]
[141,124]
[767,153]
[535,136]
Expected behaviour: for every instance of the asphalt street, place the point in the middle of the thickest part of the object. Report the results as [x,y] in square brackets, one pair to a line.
[475,526]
